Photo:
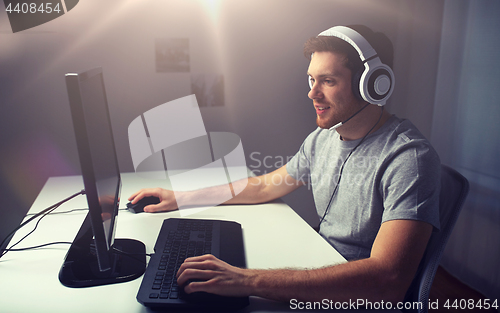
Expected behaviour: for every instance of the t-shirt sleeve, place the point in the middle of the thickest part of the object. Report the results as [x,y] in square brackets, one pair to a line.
[300,165]
[410,184]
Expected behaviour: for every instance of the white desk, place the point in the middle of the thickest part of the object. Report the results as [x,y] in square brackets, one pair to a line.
[275,237]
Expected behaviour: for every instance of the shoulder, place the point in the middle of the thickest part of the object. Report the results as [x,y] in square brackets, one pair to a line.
[400,136]
[409,175]
[403,129]
[405,154]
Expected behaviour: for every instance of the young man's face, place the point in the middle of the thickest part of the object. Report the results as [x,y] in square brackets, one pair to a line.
[331,89]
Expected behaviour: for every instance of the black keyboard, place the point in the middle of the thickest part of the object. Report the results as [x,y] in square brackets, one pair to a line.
[191,238]
[183,238]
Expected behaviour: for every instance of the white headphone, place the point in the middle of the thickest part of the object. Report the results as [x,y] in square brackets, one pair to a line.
[376,82]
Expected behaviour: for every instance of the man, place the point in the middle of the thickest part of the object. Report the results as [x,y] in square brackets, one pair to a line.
[375,183]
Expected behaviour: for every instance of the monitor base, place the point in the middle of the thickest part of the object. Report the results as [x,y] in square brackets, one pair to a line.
[83,271]
[81,268]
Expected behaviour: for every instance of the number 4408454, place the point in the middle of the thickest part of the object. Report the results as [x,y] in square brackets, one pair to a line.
[463,304]
[33,8]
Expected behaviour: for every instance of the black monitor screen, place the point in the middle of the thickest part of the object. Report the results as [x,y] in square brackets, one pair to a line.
[93,259]
[96,149]
[104,164]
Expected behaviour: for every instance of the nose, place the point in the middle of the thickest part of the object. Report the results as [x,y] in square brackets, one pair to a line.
[315,91]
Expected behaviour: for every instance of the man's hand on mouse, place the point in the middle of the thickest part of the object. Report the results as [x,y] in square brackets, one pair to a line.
[167,199]
[209,274]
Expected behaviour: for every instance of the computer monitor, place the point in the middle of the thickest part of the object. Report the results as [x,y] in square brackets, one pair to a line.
[96,257]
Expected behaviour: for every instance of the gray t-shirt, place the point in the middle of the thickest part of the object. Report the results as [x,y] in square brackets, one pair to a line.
[393,174]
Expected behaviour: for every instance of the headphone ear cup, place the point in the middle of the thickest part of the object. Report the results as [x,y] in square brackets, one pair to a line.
[377,82]
[355,84]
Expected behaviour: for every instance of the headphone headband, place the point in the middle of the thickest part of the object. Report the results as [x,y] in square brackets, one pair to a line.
[362,46]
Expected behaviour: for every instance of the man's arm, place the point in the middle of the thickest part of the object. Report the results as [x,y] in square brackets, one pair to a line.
[385,275]
[258,189]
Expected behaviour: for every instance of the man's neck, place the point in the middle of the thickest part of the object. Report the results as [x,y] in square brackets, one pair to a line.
[369,120]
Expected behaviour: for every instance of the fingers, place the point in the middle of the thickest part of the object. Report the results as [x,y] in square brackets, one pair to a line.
[153,208]
[167,199]
[201,258]
[198,262]
[209,274]
[196,286]
[198,268]
[134,198]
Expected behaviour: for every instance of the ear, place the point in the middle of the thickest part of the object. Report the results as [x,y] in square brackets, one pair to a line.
[355,85]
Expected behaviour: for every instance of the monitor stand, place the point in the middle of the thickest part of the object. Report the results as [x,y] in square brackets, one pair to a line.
[81,269]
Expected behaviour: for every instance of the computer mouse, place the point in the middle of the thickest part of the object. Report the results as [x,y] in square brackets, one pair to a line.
[139,206]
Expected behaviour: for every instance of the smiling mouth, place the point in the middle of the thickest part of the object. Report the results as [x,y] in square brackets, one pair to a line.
[321,109]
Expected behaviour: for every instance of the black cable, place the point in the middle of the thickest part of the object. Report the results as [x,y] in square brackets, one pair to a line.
[46,212]
[43,213]
[40,246]
[62,212]
[127,253]
[342,169]
[347,120]
[131,255]
[32,231]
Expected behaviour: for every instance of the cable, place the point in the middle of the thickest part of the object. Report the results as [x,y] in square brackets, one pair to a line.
[62,212]
[43,213]
[40,246]
[342,169]
[130,255]
[127,253]
[46,212]
[33,230]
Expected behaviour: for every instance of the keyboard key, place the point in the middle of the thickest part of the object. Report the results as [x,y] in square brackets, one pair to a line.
[174,295]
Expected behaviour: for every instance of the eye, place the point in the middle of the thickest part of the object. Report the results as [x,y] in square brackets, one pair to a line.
[329,81]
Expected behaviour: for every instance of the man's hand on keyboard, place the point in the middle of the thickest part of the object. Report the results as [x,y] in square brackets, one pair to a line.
[209,274]
[167,199]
